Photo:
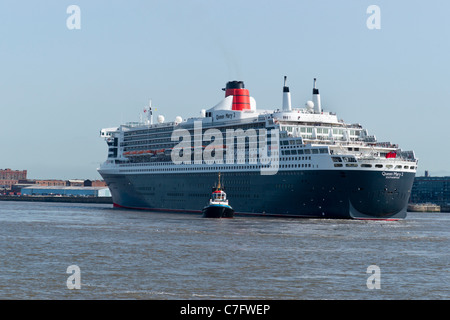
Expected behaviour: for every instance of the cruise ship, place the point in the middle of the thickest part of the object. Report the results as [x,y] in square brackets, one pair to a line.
[288,162]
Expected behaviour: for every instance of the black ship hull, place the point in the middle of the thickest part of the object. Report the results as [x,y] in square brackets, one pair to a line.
[342,194]
[218,211]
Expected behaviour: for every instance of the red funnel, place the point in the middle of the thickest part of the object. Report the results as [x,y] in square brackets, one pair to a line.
[241,96]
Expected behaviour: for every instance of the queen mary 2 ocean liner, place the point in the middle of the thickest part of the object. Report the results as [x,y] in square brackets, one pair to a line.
[290,162]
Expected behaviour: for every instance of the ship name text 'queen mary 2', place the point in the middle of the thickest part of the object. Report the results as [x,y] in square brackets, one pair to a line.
[290,162]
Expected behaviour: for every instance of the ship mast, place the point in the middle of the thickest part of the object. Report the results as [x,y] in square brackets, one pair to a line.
[286,97]
[150,113]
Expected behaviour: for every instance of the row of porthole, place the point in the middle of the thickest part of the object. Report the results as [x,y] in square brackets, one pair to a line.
[367,165]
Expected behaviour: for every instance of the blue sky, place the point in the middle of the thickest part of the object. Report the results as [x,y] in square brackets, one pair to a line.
[59,87]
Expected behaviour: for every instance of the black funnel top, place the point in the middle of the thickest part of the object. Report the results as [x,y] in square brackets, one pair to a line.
[285,88]
[315,90]
[235,85]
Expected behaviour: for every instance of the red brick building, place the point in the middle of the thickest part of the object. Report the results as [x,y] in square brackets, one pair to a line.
[51,183]
[10,177]
[96,183]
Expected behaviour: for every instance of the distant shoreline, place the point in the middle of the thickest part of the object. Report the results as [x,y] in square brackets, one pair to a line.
[107,200]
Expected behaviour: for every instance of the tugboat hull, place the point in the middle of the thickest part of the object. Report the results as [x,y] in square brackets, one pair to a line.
[218,211]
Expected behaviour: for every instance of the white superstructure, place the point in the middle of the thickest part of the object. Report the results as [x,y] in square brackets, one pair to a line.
[309,138]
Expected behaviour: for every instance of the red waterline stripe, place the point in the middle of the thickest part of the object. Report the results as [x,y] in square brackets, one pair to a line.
[387,219]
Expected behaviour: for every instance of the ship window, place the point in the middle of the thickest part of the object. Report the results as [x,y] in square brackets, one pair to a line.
[398,167]
[389,166]
[366,165]
[378,166]
[315,151]
[307,151]
[405,167]
[351,165]
[336,159]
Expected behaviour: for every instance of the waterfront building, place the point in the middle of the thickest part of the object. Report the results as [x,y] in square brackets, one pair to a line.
[66,191]
[434,190]
[10,177]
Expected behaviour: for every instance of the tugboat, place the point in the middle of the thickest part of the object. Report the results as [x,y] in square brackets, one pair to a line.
[218,204]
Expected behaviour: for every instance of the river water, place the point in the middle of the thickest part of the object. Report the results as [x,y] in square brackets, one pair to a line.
[124,254]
